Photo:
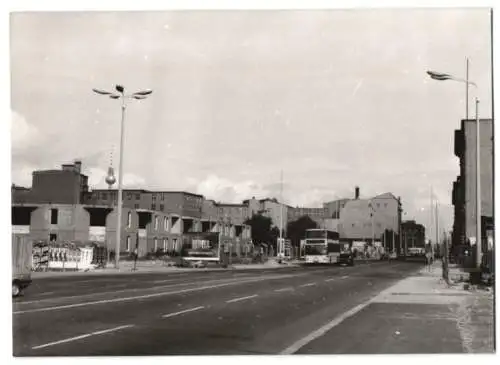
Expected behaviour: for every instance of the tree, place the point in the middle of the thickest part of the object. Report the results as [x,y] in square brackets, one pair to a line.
[297,229]
[261,228]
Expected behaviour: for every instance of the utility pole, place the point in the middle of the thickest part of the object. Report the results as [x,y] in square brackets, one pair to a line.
[437,223]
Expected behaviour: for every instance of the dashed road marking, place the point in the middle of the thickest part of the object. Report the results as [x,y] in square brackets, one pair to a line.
[284,289]
[182,312]
[164,281]
[308,284]
[331,279]
[345,277]
[242,298]
[82,336]
[153,295]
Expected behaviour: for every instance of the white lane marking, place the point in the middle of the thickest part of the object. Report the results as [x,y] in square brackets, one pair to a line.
[284,289]
[163,281]
[82,336]
[308,284]
[331,279]
[189,290]
[345,277]
[182,312]
[241,298]
[144,289]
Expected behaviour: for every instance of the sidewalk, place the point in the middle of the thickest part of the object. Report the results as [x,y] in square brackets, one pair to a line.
[145,267]
[449,309]
[420,314]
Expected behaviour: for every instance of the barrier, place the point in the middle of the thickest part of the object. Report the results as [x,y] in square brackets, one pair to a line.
[62,256]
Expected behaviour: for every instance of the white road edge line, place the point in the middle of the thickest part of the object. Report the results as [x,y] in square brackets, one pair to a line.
[242,298]
[82,336]
[336,321]
[322,330]
[182,312]
[308,284]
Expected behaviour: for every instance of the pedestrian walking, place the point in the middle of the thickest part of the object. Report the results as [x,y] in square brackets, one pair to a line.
[428,260]
[136,254]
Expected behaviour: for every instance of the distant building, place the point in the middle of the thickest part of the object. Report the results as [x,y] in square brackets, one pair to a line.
[368,219]
[413,234]
[464,188]
[64,186]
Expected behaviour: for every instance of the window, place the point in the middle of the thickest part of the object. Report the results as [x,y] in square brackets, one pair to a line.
[128,243]
[129,219]
[156,244]
[154,197]
[137,196]
[53,216]
[129,196]
[165,242]
[156,223]
[53,237]
[136,206]
[162,207]
[104,196]
[153,206]
[162,196]
[385,205]
[165,223]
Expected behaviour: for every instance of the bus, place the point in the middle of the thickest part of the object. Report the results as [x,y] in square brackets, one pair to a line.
[323,246]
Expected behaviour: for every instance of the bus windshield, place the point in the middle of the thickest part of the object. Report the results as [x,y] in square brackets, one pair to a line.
[315,250]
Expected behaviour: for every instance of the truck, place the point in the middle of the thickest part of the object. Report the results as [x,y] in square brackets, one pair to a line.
[22,250]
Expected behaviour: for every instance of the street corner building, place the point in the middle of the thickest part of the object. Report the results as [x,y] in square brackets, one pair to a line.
[464,187]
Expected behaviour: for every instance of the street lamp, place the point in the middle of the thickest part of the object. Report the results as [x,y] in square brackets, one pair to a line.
[442,77]
[120,94]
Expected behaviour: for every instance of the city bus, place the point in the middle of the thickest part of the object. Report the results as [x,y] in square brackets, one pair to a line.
[323,246]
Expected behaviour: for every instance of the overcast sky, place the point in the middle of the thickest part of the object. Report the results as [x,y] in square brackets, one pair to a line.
[333,98]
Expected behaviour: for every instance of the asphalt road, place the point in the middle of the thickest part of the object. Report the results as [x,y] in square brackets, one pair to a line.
[194,313]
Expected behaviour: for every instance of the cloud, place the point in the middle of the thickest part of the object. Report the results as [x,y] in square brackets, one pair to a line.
[23,134]
[223,189]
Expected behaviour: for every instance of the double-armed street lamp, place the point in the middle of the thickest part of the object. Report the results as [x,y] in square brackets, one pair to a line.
[443,77]
[120,94]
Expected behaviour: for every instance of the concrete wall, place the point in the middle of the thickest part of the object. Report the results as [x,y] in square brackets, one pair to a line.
[72,223]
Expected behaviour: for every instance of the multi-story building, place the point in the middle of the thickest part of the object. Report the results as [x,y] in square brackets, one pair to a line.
[151,220]
[64,186]
[368,219]
[464,188]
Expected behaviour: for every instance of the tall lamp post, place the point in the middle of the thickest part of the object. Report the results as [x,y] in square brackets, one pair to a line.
[120,94]
[442,77]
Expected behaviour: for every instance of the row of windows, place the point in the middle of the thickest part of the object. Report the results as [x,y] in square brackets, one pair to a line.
[165,242]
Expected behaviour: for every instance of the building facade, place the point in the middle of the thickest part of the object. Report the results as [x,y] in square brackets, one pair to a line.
[151,220]
[464,188]
[368,219]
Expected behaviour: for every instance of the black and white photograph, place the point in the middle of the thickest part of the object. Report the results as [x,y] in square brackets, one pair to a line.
[275,181]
